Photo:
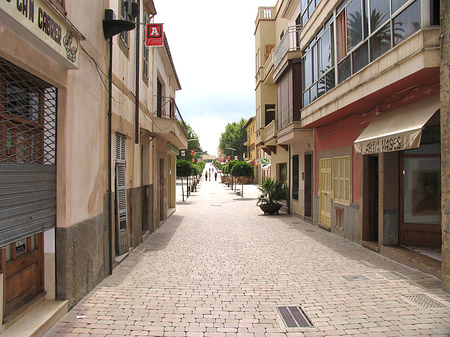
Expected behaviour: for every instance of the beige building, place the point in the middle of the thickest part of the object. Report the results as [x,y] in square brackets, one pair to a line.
[358,106]
[87,172]
[269,29]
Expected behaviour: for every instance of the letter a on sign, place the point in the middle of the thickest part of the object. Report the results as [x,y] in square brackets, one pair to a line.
[154,36]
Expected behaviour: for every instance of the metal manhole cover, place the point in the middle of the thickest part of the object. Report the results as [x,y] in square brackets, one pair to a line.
[391,275]
[424,301]
[294,317]
[355,277]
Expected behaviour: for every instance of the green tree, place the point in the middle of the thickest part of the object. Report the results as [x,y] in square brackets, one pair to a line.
[242,169]
[184,169]
[234,137]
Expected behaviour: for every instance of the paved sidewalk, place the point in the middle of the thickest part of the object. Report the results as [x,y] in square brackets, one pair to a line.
[218,267]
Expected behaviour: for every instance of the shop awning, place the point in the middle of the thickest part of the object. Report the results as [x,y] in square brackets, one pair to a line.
[397,130]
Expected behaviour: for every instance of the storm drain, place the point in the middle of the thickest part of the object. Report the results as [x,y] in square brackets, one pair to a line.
[355,277]
[294,317]
[390,275]
[424,301]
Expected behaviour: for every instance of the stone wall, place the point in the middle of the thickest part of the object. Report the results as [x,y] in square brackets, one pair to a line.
[82,257]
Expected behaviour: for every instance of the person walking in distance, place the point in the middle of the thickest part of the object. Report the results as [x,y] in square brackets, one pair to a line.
[206,176]
[215,176]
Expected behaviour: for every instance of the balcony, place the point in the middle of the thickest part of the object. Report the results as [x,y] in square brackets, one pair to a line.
[414,61]
[266,13]
[169,124]
[289,43]
[271,132]
[260,137]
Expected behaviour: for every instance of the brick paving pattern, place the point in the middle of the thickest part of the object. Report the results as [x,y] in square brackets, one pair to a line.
[219,268]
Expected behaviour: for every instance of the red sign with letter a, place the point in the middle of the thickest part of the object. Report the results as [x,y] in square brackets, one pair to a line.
[154,35]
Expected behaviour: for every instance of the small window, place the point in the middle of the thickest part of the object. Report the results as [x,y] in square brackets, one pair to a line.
[341,180]
[123,16]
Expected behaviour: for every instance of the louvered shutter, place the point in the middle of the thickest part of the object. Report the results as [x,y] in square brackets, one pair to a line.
[121,197]
[121,188]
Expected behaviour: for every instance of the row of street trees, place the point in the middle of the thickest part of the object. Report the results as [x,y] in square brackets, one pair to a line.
[236,169]
[186,169]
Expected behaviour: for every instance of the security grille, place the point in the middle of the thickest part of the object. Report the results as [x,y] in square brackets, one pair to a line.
[27,154]
[27,117]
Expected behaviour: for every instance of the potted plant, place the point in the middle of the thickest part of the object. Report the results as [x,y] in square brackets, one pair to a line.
[271,192]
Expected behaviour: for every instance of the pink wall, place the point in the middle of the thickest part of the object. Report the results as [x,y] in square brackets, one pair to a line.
[338,135]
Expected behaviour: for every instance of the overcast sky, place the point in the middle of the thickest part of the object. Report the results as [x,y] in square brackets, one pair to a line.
[213,48]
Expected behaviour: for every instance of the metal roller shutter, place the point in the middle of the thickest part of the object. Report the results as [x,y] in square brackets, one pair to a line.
[27,154]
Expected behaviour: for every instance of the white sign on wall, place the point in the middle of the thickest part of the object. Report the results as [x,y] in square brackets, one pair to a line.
[38,23]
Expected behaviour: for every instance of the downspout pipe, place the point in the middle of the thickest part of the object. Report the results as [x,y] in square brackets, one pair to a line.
[138,43]
[110,240]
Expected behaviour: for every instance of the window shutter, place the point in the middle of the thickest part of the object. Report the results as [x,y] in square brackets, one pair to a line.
[121,197]
[121,191]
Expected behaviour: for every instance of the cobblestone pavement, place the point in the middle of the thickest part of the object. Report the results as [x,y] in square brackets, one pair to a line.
[218,267]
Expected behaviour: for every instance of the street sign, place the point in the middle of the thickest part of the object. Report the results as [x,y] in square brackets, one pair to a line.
[183,153]
[192,152]
[235,157]
[228,157]
[154,35]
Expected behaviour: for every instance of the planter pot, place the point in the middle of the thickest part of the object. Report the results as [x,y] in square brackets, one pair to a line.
[270,208]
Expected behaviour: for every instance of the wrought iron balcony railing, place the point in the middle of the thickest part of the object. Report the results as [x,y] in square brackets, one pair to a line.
[168,109]
[289,42]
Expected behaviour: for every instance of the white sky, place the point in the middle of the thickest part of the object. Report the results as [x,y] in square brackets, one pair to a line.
[213,48]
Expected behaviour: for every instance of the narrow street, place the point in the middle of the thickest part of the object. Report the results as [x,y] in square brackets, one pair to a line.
[219,267]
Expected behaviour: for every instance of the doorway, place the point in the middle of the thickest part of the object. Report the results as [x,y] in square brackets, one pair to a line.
[325,192]
[308,185]
[371,234]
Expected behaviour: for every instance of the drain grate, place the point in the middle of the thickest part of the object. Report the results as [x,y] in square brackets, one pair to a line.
[355,277]
[424,301]
[391,275]
[216,205]
[294,317]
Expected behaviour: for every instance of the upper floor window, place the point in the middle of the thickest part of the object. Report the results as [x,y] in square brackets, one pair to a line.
[308,7]
[365,30]
[318,64]
[123,16]
[145,52]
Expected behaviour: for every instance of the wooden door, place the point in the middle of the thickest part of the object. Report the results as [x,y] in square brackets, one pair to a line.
[325,192]
[22,261]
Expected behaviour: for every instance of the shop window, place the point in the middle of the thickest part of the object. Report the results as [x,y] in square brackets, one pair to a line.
[341,180]
[27,117]
[295,177]
[422,185]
